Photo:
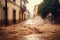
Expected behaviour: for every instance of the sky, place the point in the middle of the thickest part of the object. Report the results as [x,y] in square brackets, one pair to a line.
[31,4]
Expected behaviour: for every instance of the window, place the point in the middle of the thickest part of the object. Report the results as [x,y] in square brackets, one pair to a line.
[14,0]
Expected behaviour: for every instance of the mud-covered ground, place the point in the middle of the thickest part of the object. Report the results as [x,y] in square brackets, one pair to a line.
[32,29]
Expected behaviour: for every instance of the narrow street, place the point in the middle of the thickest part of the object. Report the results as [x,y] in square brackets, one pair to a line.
[23,20]
[32,29]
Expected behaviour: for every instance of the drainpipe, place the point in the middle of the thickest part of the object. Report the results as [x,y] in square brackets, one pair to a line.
[6,21]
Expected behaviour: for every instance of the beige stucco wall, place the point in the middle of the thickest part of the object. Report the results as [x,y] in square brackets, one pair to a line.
[1,13]
[36,10]
[1,16]
[3,2]
[17,2]
[12,7]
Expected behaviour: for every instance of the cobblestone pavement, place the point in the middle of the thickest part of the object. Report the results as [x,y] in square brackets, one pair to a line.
[32,29]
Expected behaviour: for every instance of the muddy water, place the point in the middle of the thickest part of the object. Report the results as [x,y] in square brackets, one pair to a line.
[47,36]
[38,37]
[14,33]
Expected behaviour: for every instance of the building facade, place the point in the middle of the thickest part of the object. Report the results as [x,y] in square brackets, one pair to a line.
[10,12]
[26,15]
[23,9]
[36,10]
[13,10]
